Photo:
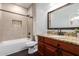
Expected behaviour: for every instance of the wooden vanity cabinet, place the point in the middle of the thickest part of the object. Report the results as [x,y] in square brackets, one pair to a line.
[64,53]
[70,49]
[41,50]
[41,46]
[49,51]
[52,47]
[45,47]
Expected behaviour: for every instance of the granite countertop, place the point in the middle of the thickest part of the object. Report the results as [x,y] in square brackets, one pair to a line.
[70,39]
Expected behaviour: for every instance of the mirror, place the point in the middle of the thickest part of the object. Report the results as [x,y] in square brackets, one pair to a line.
[65,17]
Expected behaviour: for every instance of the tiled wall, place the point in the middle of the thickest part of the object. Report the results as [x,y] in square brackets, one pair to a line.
[8,30]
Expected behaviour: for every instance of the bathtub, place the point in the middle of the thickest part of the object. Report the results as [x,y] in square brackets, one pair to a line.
[13,46]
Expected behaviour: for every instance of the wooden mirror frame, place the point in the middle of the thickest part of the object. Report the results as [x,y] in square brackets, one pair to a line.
[67,28]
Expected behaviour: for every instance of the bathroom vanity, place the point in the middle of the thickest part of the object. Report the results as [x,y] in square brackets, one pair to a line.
[58,45]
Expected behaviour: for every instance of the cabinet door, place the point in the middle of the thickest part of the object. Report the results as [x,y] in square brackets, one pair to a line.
[71,48]
[49,50]
[66,53]
[41,49]
[50,41]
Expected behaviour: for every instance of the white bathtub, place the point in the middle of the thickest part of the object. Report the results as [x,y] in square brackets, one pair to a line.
[13,46]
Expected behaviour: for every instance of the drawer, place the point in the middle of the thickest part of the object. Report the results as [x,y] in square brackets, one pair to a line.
[50,41]
[66,53]
[49,50]
[71,48]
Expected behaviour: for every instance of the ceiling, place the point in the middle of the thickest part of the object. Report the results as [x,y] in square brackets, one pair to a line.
[52,5]
[24,5]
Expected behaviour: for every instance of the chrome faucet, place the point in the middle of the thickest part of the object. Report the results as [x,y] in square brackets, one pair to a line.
[60,32]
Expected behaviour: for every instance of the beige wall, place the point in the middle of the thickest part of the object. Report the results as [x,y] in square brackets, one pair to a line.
[0,26]
[14,8]
[8,30]
[30,21]
[32,12]
[40,23]
[34,18]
